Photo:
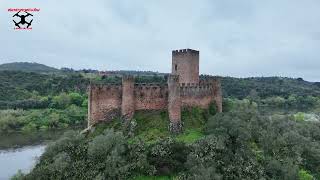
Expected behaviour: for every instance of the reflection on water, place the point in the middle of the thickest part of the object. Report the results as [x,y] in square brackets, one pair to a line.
[19,140]
[23,158]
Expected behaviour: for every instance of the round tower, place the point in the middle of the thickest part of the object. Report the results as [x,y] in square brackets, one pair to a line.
[174,104]
[185,63]
[127,105]
[217,94]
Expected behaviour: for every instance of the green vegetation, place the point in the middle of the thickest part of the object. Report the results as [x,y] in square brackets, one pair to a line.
[41,120]
[263,87]
[61,111]
[304,175]
[151,127]
[18,86]
[237,144]
[27,67]
[269,129]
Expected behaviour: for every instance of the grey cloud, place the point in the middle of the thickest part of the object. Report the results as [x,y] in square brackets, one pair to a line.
[236,38]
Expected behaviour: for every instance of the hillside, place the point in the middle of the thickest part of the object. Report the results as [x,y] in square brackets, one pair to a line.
[27,67]
[17,85]
[267,87]
[20,85]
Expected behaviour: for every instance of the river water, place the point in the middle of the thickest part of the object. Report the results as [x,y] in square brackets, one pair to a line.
[22,158]
[20,151]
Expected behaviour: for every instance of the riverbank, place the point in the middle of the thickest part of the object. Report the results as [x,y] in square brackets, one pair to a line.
[18,140]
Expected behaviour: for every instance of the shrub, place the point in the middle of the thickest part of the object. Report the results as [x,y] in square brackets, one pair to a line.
[61,101]
[9,121]
[76,99]
[210,158]
[168,156]
[299,116]
[304,175]
[212,109]
[18,176]
[30,127]
[117,159]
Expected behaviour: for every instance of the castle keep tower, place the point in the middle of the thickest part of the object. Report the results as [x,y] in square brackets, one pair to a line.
[185,63]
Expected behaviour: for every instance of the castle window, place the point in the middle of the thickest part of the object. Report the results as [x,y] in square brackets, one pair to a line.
[175,67]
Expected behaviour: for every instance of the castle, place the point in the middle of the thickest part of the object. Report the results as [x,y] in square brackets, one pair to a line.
[183,89]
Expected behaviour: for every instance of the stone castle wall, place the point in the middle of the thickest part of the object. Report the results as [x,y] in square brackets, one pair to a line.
[196,95]
[184,89]
[108,101]
[104,102]
[151,96]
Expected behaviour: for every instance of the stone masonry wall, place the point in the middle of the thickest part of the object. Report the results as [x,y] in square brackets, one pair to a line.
[151,96]
[196,95]
[107,101]
[174,103]
[185,63]
[128,98]
[104,102]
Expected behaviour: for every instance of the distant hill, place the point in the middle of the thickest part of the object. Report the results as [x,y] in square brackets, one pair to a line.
[268,87]
[27,67]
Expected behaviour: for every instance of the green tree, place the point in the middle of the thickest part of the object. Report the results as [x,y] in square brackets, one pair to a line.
[304,175]
[61,101]
[76,98]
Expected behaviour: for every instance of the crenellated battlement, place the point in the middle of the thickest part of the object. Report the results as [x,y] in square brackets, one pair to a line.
[152,88]
[105,87]
[182,52]
[127,78]
[148,85]
[137,86]
[191,90]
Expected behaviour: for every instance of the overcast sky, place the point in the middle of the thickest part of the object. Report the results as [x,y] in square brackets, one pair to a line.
[238,38]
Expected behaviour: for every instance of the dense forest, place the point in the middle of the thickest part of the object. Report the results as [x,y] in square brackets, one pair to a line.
[269,129]
[17,85]
[237,144]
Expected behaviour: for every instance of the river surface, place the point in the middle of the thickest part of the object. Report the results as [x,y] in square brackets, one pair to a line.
[20,151]
[22,158]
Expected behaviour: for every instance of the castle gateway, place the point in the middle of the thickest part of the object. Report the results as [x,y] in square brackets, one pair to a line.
[183,89]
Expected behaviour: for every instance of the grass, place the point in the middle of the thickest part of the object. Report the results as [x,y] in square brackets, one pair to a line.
[190,136]
[304,175]
[152,126]
[194,118]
